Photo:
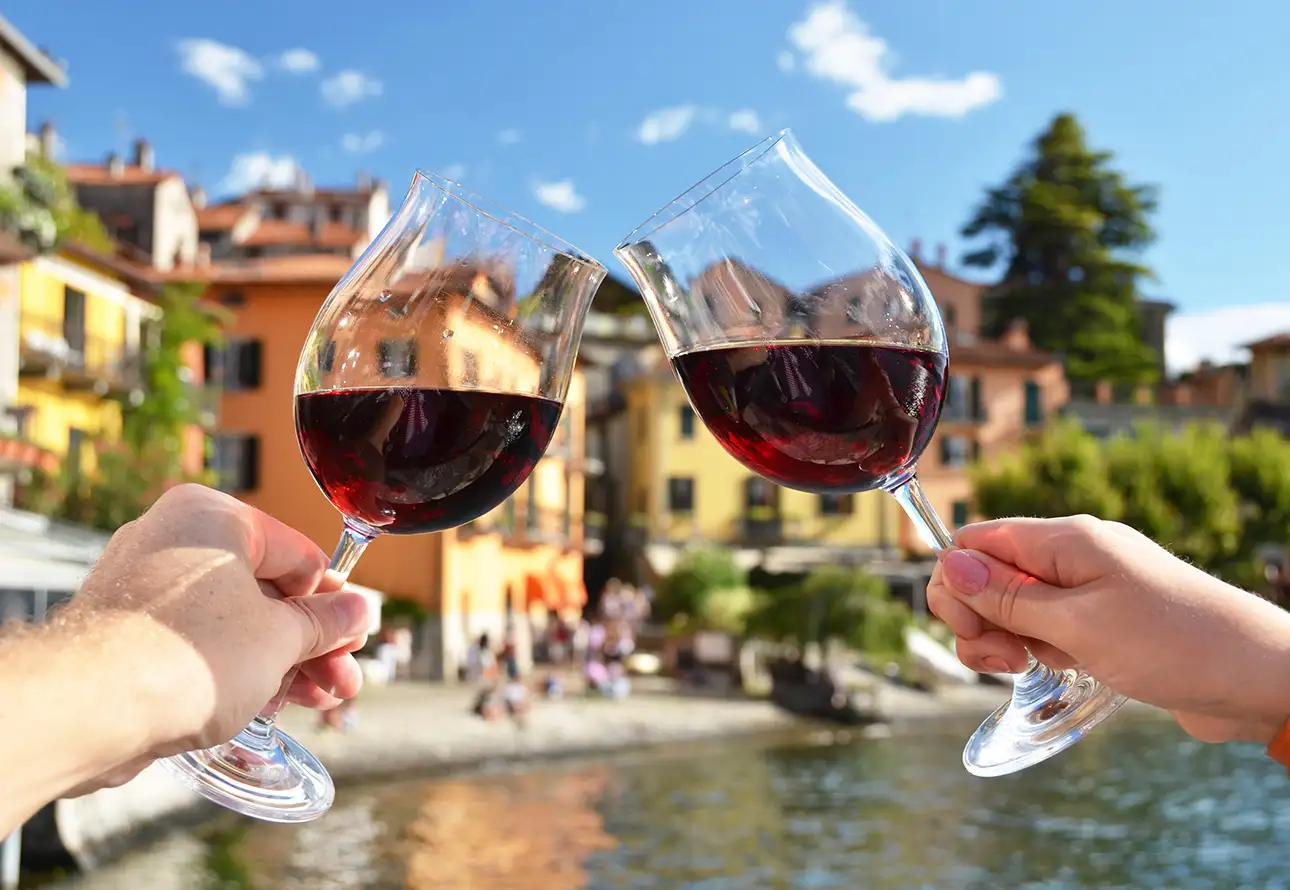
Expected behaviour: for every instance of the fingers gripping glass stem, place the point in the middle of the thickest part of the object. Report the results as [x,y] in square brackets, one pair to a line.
[353,541]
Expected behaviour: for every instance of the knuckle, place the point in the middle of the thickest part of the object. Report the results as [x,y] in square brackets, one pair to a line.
[1009,596]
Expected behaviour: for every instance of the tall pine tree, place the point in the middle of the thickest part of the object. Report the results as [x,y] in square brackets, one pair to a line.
[1068,226]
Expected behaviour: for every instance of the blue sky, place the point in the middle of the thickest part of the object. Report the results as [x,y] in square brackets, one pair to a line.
[587,115]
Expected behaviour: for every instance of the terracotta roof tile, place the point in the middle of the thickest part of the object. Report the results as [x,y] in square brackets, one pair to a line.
[282,232]
[1276,341]
[220,217]
[99,174]
[298,268]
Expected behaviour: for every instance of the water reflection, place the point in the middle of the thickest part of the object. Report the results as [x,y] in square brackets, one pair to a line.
[1136,805]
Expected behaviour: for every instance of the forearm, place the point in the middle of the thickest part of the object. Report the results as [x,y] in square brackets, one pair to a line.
[1255,669]
[65,709]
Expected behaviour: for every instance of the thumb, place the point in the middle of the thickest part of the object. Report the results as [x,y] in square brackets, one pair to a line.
[1000,593]
[328,621]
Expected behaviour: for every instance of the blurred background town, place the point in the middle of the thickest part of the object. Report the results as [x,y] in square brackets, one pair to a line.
[151,319]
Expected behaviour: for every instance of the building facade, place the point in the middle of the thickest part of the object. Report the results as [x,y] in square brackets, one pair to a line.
[83,322]
[22,65]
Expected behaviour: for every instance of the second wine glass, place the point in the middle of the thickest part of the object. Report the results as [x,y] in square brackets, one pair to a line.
[815,354]
[429,387]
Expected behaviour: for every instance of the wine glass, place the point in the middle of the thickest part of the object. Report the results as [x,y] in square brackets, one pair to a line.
[815,354]
[429,386]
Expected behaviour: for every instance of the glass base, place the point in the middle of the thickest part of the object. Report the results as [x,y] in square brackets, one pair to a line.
[1049,712]
[262,773]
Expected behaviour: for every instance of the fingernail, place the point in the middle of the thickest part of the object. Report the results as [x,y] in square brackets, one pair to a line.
[996,665]
[965,572]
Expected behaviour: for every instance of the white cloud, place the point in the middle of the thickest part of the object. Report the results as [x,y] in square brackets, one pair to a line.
[362,143]
[666,124]
[786,61]
[836,45]
[455,172]
[298,61]
[561,196]
[508,137]
[258,169]
[227,69]
[745,121]
[348,87]
[1219,335]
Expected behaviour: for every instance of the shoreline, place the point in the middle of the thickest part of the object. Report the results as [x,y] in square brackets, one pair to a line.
[413,731]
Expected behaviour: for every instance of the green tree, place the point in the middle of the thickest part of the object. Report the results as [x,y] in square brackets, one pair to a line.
[158,423]
[1061,473]
[706,589]
[1177,491]
[40,209]
[837,603]
[1213,500]
[1068,228]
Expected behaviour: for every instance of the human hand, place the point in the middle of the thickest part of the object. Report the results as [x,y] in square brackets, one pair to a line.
[1098,595]
[203,605]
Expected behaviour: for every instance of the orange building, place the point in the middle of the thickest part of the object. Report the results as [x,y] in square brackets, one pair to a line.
[521,561]
[999,391]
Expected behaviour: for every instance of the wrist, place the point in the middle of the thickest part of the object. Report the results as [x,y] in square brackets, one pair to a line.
[1261,688]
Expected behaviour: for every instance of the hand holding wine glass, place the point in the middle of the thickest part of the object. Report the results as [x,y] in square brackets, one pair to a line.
[813,351]
[429,387]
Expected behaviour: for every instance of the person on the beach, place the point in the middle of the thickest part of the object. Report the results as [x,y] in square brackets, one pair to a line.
[1083,591]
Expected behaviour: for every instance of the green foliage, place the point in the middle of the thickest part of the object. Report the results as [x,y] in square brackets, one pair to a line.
[1068,225]
[170,405]
[833,603]
[396,611]
[1059,474]
[688,596]
[40,209]
[1213,500]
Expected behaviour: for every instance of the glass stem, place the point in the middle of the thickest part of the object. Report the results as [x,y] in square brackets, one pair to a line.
[1037,679]
[353,541]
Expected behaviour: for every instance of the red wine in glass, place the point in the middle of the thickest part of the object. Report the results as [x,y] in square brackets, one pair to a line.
[828,417]
[415,460]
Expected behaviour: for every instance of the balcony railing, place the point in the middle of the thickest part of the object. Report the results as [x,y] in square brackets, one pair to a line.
[520,528]
[93,362]
[761,530]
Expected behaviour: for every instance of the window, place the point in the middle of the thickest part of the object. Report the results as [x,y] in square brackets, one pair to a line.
[760,494]
[74,322]
[976,451]
[1034,404]
[687,422]
[680,494]
[75,452]
[238,368]
[234,299]
[951,316]
[1283,378]
[975,410]
[397,358]
[336,213]
[531,505]
[235,459]
[956,399]
[954,451]
[837,504]
[854,312]
[959,514]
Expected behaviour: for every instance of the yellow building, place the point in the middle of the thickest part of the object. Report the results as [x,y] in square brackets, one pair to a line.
[683,487]
[82,324]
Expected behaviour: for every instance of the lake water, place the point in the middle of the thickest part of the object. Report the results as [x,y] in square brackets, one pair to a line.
[1134,805]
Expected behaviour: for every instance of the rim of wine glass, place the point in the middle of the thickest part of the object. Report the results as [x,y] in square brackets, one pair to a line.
[708,185]
[505,216]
